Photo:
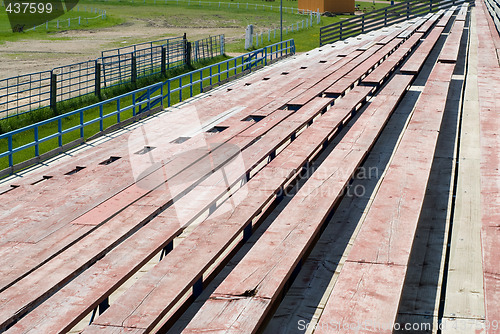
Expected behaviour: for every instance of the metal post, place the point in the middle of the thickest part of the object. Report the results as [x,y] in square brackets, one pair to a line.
[188,53]
[163,61]
[97,88]
[168,54]
[281,20]
[133,75]
[53,91]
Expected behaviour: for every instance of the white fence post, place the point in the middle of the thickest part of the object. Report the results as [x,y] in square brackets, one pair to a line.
[248,36]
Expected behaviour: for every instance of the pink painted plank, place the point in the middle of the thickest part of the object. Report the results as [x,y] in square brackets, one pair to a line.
[446,17]
[360,134]
[386,68]
[442,72]
[360,305]
[490,239]
[385,239]
[175,281]
[286,239]
[251,157]
[427,25]
[116,330]
[489,102]
[451,47]
[357,74]
[417,60]
[387,233]
[398,85]
[428,112]
[462,14]
[232,309]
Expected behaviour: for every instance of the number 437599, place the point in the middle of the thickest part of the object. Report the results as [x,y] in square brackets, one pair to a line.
[29,7]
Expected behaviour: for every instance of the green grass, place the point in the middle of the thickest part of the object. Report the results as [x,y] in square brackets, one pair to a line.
[370,6]
[6,33]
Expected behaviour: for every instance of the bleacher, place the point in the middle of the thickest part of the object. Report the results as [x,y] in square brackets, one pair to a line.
[241,211]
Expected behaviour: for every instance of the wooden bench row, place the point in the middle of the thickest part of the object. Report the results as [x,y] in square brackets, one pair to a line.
[245,297]
[369,287]
[488,75]
[42,292]
[94,209]
[132,217]
[367,89]
[133,212]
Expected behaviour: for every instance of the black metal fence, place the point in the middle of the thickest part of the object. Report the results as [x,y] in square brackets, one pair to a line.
[381,18]
[28,92]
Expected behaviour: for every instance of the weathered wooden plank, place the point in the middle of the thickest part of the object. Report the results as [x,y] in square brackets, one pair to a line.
[489,85]
[430,22]
[365,295]
[451,47]
[464,290]
[462,14]
[223,230]
[386,68]
[386,237]
[339,87]
[446,17]
[297,224]
[417,60]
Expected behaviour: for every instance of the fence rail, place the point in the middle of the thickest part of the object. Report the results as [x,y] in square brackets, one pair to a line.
[42,138]
[115,67]
[494,9]
[381,18]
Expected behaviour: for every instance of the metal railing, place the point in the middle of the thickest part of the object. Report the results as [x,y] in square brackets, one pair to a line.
[43,137]
[29,92]
[381,18]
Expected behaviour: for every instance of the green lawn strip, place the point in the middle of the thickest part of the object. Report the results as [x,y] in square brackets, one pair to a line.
[93,113]
[41,32]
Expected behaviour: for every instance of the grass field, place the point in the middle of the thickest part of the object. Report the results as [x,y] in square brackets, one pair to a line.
[187,14]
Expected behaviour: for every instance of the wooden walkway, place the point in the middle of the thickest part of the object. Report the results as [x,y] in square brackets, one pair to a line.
[355,185]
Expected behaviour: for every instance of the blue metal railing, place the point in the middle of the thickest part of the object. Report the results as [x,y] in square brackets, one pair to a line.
[142,99]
